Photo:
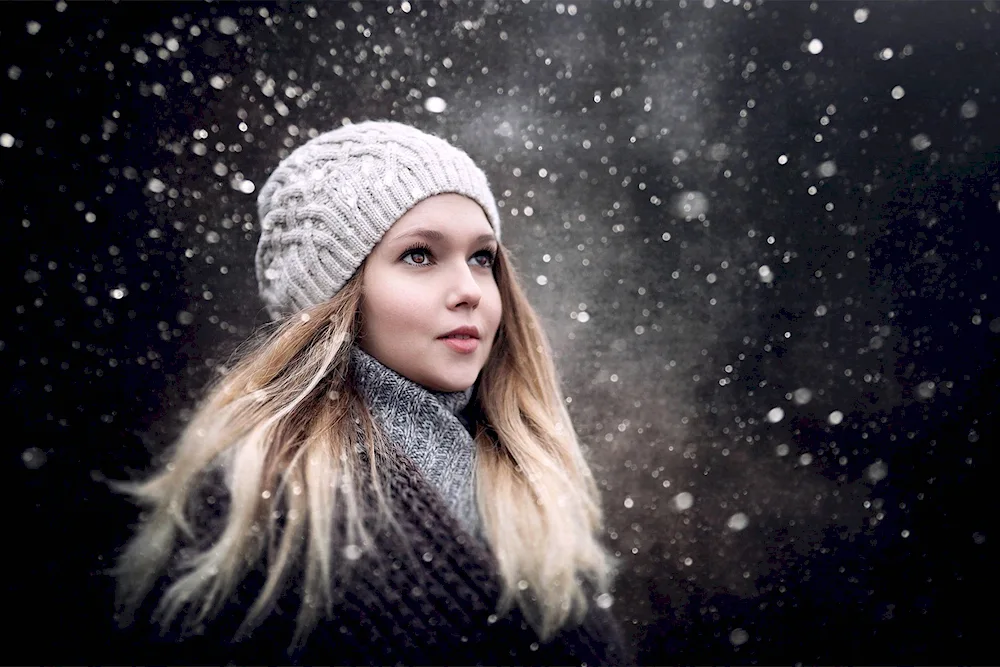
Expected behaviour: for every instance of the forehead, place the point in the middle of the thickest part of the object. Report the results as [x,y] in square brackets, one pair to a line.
[448,215]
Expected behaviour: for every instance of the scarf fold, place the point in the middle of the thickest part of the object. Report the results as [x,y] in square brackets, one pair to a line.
[430,427]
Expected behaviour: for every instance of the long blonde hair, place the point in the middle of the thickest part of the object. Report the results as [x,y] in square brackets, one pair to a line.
[287,424]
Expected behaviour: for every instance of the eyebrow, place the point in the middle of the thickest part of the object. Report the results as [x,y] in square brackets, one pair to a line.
[434,235]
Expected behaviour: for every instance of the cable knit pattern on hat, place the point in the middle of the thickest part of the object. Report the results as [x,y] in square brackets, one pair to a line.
[328,204]
[428,426]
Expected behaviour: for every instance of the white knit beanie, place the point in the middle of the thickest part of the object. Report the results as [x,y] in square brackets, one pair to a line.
[326,206]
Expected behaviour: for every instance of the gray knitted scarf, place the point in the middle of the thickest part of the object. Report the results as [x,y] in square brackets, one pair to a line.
[430,427]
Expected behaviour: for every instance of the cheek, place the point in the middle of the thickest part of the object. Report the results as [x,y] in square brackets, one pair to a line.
[495,309]
[394,305]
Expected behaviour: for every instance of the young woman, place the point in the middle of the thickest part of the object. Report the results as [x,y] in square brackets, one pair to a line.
[390,474]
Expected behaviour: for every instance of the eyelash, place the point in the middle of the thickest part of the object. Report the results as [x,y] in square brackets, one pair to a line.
[426,251]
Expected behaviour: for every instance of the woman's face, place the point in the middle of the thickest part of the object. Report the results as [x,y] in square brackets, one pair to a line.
[413,297]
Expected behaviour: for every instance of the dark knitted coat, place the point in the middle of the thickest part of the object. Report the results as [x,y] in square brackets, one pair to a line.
[436,607]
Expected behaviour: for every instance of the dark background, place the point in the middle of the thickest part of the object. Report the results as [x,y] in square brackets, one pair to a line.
[817,366]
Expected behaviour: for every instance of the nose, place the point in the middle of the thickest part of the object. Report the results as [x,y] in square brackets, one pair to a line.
[464,288]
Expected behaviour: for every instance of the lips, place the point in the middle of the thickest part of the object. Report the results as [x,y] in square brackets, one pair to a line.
[461,345]
[463,332]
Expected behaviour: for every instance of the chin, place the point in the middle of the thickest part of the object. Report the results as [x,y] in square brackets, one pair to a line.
[451,384]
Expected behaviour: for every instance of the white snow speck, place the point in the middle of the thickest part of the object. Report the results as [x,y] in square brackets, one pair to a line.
[738,522]
[970,109]
[920,142]
[683,501]
[227,26]
[815,46]
[827,169]
[877,471]
[802,395]
[435,104]
[775,415]
[33,458]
